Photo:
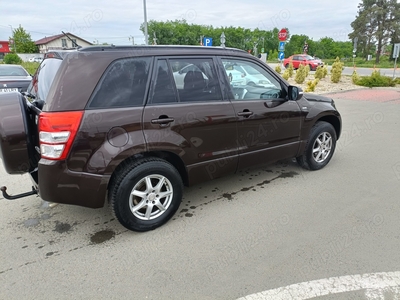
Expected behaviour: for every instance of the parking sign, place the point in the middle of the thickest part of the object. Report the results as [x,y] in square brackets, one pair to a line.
[207,41]
[281,46]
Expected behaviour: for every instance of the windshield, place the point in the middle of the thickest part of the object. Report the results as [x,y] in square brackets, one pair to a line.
[12,71]
[44,77]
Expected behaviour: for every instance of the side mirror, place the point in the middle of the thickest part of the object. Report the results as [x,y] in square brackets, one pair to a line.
[294,93]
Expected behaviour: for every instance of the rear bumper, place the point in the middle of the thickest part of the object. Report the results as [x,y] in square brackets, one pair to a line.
[60,185]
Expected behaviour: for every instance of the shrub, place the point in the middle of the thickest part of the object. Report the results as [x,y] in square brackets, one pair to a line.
[311,85]
[376,80]
[319,73]
[355,78]
[286,75]
[336,71]
[325,71]
[12,58]
[278,69]
[291,70]
[301,74]
[307,69]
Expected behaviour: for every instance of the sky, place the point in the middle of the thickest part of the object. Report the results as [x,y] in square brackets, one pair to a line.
[117,22]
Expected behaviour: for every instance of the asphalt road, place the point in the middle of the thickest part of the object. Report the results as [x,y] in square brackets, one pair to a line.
[279,229]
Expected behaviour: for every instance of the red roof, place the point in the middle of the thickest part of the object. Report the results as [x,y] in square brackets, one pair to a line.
[54,37]
[4,47]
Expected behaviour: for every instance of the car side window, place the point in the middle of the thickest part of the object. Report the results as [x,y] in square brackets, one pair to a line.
[123,84]
[196,79]
[248,80]
[163,89]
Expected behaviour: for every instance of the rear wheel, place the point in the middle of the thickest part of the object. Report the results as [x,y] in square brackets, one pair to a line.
[320,147]
[145,194]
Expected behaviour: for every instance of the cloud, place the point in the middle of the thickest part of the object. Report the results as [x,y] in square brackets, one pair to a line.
[116,21]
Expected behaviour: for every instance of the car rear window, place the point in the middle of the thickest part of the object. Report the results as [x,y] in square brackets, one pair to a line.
[12,71]
[123,84]
[43,78]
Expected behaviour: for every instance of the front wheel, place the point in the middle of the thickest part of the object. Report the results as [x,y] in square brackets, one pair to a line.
[146,194]
[320,147]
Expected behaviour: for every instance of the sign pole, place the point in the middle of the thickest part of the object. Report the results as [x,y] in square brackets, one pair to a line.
[396,51]
[282,35]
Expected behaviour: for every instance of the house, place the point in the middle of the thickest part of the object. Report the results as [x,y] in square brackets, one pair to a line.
[4,48]
[61,41]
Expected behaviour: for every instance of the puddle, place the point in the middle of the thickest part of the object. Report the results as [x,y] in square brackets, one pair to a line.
[62,227]
[102,236]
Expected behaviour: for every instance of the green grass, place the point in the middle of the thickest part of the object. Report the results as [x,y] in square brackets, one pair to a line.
[31,67]
[362,63]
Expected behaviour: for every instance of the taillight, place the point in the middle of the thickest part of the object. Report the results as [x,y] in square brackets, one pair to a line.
[57,132]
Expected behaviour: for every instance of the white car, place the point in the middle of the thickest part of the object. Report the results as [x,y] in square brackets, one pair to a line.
[245,74]
[179,76]
[35,59]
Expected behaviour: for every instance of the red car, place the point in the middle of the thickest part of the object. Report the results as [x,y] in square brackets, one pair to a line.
[303,59]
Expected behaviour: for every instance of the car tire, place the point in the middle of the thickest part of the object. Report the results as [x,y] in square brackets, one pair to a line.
[319,148]
[311,68]
[145,194]
[287,66]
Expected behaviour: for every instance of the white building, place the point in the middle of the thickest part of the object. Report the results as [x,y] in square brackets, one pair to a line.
[61,41]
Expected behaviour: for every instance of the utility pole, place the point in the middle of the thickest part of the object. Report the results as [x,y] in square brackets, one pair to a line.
[133,39]
[146,38]
[154,38]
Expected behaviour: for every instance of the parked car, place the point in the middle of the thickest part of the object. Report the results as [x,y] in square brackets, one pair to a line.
[35,59]
[248,75]
[13,78]
[112,123]
[302,59]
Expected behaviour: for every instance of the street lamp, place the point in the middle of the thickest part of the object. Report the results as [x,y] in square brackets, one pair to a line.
[223,40]
[13,38]
[145,23]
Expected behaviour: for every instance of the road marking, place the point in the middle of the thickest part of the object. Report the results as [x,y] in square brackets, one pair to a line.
[333,285]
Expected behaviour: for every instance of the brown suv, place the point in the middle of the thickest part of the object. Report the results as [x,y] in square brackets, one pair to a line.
[136,124]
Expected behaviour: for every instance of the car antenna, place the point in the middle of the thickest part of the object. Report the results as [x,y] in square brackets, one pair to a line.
[73,42]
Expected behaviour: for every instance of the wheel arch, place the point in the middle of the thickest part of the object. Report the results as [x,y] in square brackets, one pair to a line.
[334,121]
[170,157]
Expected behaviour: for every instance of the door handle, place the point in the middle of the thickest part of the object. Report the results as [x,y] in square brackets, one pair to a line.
[164,122]
[245,113]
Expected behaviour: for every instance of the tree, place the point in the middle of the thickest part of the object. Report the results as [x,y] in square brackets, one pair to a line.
[22,41]
[377,21]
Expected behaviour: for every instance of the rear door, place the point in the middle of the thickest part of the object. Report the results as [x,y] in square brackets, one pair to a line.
[190,118]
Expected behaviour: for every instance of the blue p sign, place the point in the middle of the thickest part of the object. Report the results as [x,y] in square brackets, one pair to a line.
[207,41]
